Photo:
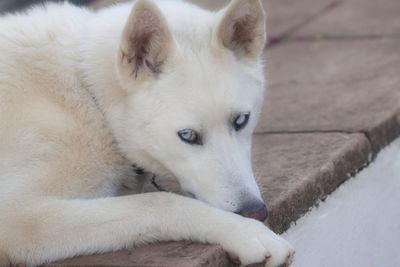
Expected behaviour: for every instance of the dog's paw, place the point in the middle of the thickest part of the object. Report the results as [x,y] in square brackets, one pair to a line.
[252,242]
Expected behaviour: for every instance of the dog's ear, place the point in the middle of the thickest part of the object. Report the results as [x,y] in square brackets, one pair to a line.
[145,42]
[242,28]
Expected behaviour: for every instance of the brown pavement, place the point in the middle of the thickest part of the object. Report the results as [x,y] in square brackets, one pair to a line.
[283,16]
[358,18]
[332,102]
[334,86]
[168,254]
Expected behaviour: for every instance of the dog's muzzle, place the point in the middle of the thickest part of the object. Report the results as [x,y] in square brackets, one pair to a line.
[255,210]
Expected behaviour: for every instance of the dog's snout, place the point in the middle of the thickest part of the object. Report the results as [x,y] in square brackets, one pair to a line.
[255,210]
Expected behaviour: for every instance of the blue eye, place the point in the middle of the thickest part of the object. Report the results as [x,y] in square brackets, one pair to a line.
[187,135]
[190,136]
[241,120]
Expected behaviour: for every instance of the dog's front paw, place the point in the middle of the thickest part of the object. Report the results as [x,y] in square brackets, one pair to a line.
[252,242]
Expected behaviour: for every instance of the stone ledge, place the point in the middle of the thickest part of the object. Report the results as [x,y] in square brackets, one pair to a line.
[384,132]
[166,254]
[300,169]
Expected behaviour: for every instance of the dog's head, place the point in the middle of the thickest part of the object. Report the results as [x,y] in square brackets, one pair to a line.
[194,90]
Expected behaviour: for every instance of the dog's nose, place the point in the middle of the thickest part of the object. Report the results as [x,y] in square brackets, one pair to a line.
[255,210]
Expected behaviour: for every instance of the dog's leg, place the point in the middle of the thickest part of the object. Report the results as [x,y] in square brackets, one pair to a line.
[56,229]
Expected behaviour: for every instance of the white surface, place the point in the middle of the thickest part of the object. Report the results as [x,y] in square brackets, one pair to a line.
[358,224]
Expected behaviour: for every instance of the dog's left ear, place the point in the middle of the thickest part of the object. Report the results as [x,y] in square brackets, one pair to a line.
[242,28]
[145,43]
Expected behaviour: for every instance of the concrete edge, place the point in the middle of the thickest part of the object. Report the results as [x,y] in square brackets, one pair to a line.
[343,165]
[384,133]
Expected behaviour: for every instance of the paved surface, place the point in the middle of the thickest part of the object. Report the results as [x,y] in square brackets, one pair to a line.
[332,102]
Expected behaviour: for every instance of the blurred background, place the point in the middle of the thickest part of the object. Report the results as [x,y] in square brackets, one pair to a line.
[14,5]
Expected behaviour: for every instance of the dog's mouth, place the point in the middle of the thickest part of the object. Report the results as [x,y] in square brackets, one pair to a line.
[140,171]
[188,194]
[158,186]
[162,188]
[254,209]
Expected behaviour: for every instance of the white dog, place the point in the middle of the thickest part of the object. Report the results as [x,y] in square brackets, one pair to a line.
[167,86]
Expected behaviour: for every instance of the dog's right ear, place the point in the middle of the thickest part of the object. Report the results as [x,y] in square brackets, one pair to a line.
[242,28]
[145,42]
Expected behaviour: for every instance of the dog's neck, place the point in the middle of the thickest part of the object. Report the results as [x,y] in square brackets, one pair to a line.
[98,53]
[99,74]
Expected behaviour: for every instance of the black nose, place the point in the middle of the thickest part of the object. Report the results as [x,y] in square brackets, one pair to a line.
[255,210]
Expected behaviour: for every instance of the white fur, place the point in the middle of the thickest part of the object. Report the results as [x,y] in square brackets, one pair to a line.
[74,118]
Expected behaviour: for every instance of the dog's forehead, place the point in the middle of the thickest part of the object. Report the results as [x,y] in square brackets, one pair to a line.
[211,81]
[198,93]
[223,79]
